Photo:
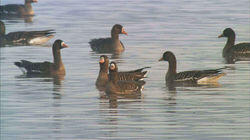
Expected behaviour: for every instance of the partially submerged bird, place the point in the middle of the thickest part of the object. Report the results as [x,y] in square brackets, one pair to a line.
[190,77]
[25,37]
[102,78]
[109,45]
[19,10]
[116,86]
[234,52]
[45,68]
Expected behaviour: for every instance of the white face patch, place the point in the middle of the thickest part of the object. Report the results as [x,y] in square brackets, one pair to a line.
[102,60]
[112,66]
[62,44]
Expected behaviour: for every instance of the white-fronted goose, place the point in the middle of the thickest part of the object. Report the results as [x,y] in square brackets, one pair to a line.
[25,37]
[17,9]
[116,86]
[196,76]
[109,45]
[45,68]
[102,78]
[234,52]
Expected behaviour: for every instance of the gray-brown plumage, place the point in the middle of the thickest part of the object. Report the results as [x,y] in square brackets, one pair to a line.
[234,52]
[116,86]
[25,37]
[18,10]
[45,68]
[109,45]
[192,77]
[102,78]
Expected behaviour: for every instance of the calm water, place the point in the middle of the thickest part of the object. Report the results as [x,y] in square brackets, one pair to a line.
[72,108]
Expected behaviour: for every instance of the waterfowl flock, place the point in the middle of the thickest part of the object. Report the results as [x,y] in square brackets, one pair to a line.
[109,79]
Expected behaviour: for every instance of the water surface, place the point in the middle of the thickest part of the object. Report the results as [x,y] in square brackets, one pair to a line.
[72,108]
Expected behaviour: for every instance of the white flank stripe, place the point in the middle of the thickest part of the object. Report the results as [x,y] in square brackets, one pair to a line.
[39,40]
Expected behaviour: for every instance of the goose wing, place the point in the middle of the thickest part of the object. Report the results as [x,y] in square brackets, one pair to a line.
[34,68]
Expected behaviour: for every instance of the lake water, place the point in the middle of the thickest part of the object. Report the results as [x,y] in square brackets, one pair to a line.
[72,108]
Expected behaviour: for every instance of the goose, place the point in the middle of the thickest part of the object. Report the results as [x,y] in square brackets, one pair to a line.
[111,44]
[116,86]
[102,78]
[234,52]
[192,77]
[18,9]
[25,37]
[45,68]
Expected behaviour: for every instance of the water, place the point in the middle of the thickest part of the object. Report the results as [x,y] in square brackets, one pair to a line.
[72,108]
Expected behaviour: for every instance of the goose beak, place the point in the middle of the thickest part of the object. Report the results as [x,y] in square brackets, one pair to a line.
[124,32]
[34,0]
[64,45]
[220,36]
[161,59]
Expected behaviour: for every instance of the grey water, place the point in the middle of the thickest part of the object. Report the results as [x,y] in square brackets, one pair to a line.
[72,108]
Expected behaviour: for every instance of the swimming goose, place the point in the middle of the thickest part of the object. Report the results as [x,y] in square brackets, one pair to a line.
[116,86]
[45,68]
[102,78]
[109,45]
[18,9]
[234,52]
[25,37]
[196,76]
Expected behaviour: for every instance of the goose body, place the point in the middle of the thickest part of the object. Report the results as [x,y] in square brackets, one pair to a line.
[193,77]
[109,45]
[234,52]
[25,37]
[45,68]
[17,9]
[102,78]
[116,86]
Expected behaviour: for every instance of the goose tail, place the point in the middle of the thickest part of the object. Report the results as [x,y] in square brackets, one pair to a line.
[211,79]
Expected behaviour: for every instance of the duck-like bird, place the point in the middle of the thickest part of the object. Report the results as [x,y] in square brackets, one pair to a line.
[19,10]
[192,77]
[25,37]
[116,86]
[102,79]
[45,68]
[109,45]
[234,52]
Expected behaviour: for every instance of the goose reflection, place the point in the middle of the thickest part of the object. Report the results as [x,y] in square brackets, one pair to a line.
[114,100]
[171,89]
[56,106]
[171,92]
[57,85]
[56,80]
[110,111]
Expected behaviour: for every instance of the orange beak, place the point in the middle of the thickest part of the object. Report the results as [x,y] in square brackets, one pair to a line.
[124,32]
[34,0]
[64,45]
[161,59]
[220,36]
